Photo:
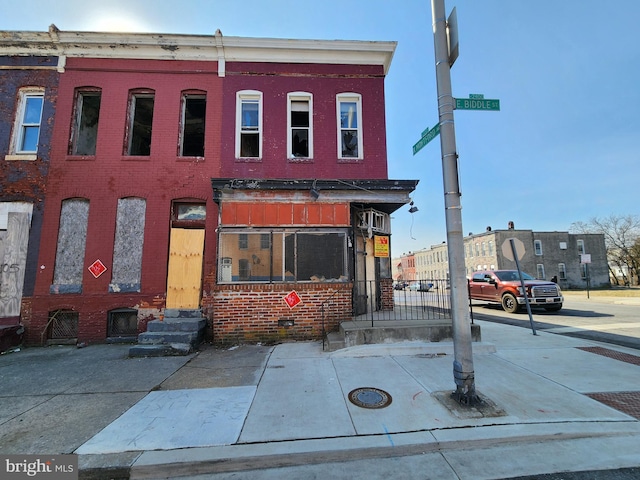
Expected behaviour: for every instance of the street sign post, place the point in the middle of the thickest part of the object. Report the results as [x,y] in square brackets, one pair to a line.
[477,104]
[427,136]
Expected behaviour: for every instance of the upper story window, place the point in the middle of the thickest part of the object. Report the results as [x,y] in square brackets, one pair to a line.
[249,124]
[140,122]
[537,247]
[27,124]
[300,125]
[84,131]
[580,247]
[349,109]
[194,109]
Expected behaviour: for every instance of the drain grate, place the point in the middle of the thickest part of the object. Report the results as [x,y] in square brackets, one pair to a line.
[368,397]
[607,352]
[626,402]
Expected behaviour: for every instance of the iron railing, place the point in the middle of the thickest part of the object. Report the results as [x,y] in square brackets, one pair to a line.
[426,299]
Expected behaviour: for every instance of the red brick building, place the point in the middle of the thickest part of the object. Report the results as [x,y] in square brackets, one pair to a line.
[213,173]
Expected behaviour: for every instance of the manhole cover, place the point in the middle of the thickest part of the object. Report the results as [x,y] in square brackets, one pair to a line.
[369,397]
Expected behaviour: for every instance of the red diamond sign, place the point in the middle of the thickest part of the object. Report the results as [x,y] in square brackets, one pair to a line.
[97,268]
[292,299]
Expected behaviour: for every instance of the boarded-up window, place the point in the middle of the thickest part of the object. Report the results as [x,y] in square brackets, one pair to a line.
[127,248]
[72,239]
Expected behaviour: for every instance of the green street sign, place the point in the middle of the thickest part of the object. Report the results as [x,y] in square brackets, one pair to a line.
[427,136]
[477,104]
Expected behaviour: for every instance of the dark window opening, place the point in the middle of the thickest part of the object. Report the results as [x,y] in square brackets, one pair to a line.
[85,133]
[195,108]
[140,127]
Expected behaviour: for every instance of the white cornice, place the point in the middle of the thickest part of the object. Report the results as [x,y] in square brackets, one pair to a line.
[196,47]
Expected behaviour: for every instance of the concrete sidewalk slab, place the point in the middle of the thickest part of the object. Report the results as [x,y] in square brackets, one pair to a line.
[176,419]
[298,397]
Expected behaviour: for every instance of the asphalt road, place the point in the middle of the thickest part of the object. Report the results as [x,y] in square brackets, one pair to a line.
[582,317]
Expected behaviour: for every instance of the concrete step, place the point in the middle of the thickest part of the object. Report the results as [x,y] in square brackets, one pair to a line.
[155,338]
[177,325]
[182,313]
[163,350]
[362,333]
[334,341]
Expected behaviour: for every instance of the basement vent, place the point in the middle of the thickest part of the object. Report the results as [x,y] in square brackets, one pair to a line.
[122,322]
[63,326]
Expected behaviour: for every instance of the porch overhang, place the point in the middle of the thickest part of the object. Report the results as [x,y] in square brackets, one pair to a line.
[384,195]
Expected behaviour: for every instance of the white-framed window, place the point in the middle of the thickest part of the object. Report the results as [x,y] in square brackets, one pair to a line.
[26,132]
[349,111]
[249,124]
[562,271]
[192,123]
[299,125]
[540,271]
[580,246]
[84,131]
[490,248]
[583,270]
[537,247]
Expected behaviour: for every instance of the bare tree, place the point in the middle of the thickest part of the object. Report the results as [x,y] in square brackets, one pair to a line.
[622,239]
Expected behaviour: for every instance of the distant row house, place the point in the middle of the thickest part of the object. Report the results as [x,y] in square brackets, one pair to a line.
[571,259]
[145,172]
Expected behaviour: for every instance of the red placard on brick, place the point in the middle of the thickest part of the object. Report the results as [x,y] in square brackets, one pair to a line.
[97,268]
[292,298]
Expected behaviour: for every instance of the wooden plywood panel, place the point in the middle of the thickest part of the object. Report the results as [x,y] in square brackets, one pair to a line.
[13,259]
[184,278]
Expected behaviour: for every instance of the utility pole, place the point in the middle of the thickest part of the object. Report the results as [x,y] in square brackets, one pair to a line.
[463,372]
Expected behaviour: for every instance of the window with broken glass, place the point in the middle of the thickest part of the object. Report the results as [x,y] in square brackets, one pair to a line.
[283,256]
[140,123]
[299,126]
[350,128]
[84,133]
[194,109]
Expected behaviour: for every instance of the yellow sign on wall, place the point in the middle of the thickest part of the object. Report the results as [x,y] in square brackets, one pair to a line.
[380,246]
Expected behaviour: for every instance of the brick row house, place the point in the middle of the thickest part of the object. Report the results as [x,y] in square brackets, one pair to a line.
[244,178]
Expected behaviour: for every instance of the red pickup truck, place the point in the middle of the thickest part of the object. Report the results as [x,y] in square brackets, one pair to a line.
[504,287]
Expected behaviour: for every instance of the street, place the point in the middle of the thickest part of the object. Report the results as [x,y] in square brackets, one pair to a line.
[591,318]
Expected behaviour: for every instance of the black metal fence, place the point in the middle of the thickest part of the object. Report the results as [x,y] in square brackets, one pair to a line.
[427,299]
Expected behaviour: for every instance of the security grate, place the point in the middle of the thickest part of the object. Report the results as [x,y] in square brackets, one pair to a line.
[63,325]
[123,322]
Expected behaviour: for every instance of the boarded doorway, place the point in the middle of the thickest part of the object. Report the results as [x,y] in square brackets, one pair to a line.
[184,279]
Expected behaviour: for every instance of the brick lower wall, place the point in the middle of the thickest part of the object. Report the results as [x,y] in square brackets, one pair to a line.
[258,313]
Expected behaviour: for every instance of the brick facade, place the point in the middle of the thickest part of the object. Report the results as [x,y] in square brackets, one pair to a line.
[258,313]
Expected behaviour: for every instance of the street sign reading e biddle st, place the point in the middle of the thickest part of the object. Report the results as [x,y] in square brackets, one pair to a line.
[477,104]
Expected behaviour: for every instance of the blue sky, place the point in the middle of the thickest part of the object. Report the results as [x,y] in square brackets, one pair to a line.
[563,148]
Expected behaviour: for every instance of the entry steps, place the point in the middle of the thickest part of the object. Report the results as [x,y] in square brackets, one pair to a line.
[178,333]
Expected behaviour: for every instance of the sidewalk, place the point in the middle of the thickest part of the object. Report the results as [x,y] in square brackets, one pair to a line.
[255,408]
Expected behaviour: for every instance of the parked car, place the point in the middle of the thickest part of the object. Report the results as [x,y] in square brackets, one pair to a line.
[421,286]
[504,287]
[400,285]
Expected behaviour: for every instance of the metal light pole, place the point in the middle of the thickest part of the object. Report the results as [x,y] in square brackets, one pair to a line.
[463,372]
